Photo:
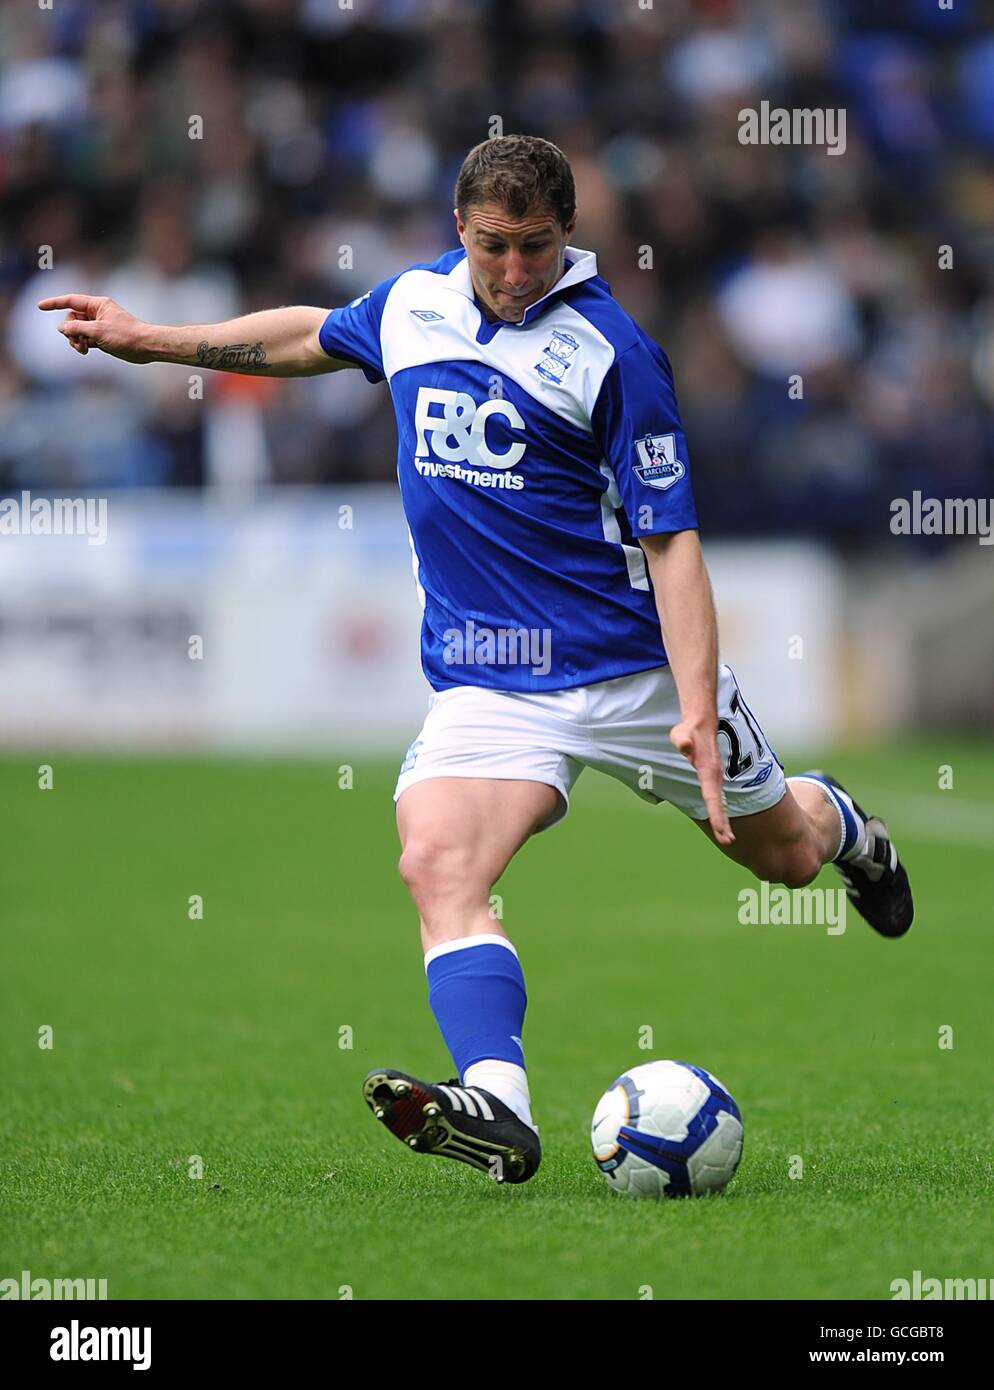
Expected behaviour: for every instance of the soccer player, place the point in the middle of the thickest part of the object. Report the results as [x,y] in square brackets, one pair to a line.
[568,620]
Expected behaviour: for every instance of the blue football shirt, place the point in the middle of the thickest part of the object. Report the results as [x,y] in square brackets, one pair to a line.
[530,456]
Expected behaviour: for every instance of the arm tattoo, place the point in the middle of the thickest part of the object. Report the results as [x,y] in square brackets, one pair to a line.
[232,356]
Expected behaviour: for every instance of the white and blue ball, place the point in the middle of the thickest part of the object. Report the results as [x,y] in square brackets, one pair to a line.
[667,1129]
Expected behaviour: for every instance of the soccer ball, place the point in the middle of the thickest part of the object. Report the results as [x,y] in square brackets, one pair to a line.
[667,1129]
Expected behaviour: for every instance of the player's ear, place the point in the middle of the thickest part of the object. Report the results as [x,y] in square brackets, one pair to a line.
[460,225]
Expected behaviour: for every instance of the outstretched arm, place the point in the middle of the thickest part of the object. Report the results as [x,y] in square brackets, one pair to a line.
[272,342]
[690,635]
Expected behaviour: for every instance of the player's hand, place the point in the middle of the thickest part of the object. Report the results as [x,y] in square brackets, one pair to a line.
[96,321]
[699,745]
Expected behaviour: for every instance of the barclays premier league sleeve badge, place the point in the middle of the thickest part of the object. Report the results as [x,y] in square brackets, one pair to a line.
[658,465]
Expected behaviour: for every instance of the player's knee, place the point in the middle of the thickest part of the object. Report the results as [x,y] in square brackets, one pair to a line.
[794,863]
[434,871]
[795,866]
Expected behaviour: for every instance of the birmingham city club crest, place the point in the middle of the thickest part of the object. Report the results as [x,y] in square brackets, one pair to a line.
[555,361]
[657,464]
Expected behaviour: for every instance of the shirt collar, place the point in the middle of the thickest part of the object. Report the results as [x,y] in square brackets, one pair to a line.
[580,265]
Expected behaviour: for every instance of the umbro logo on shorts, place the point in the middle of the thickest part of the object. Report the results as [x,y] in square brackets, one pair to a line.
[410,756]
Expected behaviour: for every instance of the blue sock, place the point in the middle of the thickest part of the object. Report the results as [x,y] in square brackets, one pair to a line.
[851,826]
[477,993]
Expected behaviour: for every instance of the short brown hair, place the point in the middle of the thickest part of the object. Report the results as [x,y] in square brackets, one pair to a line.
[522,173]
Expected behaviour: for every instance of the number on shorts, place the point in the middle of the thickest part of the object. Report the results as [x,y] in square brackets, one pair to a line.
[737,760]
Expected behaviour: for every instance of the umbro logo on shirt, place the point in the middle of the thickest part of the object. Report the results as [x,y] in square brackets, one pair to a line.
[427,315]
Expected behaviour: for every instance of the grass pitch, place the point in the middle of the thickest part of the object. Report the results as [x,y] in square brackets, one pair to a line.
[179,1043]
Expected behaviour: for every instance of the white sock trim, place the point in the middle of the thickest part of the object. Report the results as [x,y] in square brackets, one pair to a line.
[505,1080]
[512,1072]
[462,943]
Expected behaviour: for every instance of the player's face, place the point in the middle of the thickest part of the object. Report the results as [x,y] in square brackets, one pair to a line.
[513,261]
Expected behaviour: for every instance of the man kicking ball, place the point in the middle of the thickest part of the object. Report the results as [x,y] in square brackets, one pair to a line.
[568,620]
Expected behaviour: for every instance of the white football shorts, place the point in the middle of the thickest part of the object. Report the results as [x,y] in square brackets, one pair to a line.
[618,726]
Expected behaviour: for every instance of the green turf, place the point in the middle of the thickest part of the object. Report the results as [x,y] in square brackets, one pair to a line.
[220,1038]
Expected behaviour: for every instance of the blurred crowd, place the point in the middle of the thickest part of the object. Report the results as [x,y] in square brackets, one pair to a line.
[830,318]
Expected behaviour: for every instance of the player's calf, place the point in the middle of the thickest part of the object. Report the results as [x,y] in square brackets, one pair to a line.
[816,823]
[457,835]
[779,845]
[865,858]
